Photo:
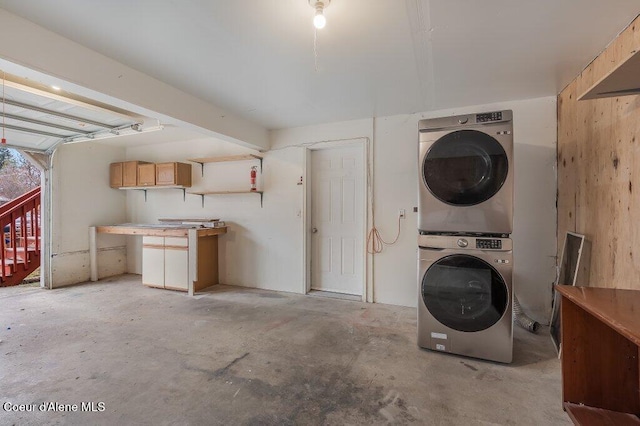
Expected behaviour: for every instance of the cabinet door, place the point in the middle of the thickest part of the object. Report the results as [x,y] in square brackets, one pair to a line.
[115,175]
[153,261]
[166,174]
[130,173]
[173,174]
[146,174]
[176,263]
[183,174]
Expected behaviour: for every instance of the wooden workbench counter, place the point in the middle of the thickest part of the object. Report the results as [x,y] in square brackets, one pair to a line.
[600,355]
[173,257]
[158,230]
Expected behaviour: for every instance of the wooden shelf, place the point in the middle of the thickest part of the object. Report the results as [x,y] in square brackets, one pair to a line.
[584,415]
[621,81]
[153,187]
[203,193]
[171,220]
[221,159]
[225,192]
[243,157]
[226,158]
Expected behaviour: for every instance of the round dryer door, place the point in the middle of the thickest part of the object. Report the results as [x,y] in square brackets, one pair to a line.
[465,168]
[464,293]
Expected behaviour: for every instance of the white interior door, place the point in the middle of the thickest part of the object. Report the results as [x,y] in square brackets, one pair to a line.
[337,220]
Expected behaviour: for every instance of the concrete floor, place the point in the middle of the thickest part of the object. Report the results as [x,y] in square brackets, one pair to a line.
[244,356]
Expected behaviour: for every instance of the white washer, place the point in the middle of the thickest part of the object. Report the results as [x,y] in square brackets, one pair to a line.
[466,174]
[465,296]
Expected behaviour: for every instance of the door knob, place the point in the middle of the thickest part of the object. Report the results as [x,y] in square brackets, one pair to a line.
[314,230]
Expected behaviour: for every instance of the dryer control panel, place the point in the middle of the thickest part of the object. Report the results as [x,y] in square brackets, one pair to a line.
[482,243]
[489,116]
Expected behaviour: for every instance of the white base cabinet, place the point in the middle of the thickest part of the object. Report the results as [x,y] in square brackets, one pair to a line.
[165,262]
[176,258]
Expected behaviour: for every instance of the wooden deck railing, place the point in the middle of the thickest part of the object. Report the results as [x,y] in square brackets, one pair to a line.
[20,245]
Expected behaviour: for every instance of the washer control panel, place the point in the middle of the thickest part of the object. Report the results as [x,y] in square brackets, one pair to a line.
[487,243]
[489,116]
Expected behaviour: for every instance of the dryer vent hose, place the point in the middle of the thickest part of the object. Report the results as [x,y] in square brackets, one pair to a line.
[523,319]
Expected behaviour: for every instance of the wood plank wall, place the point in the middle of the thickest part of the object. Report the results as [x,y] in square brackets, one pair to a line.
[599,170]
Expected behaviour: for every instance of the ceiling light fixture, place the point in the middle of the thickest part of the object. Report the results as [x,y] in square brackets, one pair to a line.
[319,21]
[56,88]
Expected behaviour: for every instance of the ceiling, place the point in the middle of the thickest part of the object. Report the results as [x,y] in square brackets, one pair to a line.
[374,57]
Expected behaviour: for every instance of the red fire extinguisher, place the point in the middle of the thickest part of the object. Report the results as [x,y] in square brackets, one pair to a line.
[254,173]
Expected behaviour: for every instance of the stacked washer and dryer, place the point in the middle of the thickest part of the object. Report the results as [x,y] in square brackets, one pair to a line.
[465,260]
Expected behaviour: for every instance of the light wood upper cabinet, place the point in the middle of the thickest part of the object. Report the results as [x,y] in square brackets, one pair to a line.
[125,174]
[173,174]
[130,173]
[115,175]
[146,174]
[136,174]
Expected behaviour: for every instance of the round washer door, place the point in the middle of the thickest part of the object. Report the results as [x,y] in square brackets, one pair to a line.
[464,293]
[465,168]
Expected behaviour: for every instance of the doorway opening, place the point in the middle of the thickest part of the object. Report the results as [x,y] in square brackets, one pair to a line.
[20,219]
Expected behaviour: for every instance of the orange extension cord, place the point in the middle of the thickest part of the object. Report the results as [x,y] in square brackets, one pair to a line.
[375,243]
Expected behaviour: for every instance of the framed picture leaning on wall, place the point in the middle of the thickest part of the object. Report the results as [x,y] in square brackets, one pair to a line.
[568,274]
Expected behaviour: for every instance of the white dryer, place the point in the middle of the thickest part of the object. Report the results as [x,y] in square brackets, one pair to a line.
[465,297]
[466,174]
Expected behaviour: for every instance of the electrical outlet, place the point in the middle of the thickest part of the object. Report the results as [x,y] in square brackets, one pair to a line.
[402,213]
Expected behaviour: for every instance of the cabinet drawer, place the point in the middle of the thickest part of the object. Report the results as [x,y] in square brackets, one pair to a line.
[176,242]
[153,241]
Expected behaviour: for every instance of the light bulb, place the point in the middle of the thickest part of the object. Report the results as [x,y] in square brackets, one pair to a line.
[319,21]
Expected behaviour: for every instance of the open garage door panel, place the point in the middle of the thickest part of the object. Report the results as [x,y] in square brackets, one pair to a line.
[37,118]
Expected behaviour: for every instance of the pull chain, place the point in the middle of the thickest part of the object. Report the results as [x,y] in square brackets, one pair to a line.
[4,140]
[315,48]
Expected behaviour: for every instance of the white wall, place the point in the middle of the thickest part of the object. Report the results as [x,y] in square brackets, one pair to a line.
[81,197]
[264,247]
[395,153]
